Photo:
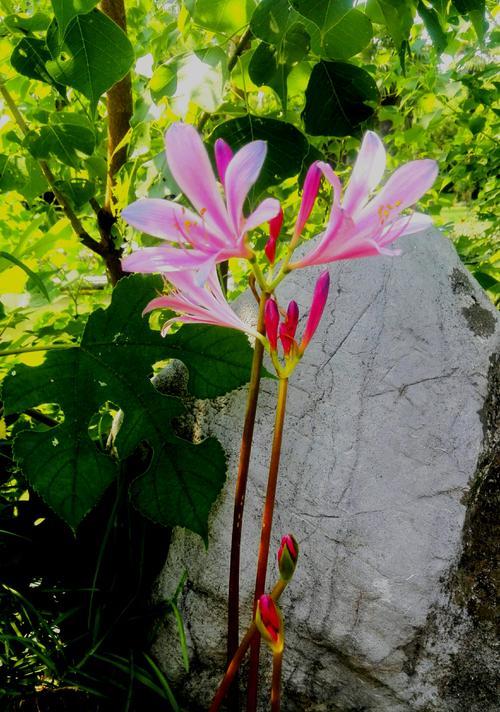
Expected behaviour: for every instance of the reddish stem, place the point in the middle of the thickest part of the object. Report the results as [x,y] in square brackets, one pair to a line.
[239,499]
[276,684]
[240,653]
[265,537]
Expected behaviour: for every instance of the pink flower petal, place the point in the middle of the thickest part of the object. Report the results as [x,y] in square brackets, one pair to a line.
[164,259]
[223,155]
[266,211]
[366,174]
[404,188]
[241,174]
[191,168]
[168,221]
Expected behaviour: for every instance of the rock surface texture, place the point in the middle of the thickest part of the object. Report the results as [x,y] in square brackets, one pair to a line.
[390,482]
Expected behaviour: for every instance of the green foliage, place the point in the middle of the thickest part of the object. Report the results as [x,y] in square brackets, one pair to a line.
[69,472]
[336,99]
[94,54]
[309,77]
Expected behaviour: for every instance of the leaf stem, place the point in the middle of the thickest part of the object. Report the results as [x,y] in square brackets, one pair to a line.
[234,664]
[265,536]
[32,349]
[241,485]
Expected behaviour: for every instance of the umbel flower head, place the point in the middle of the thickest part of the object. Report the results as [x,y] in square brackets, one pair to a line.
[215,229]
[269,623]
[287,328]
[360,226]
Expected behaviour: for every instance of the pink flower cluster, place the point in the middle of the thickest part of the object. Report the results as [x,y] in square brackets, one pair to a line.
[216,228]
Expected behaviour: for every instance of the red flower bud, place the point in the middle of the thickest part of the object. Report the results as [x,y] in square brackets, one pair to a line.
[289,327]
[318,304]
[274,230]
[270,623]
[287,556]
[271,320]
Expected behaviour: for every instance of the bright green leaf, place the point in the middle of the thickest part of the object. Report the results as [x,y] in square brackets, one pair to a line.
[198,76]
[271,20]
[224,16]
[66,135]
[336,99]
[38,22]
[114,363]
[95,55]
[396,15]
[34,277]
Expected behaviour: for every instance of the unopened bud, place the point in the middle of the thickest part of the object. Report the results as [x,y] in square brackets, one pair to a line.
[275,225]
[289,327]
[287,556]
[318,304]
[270,623]
[271,320]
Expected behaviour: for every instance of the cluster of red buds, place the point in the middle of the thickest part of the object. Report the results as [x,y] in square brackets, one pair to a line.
[285,329]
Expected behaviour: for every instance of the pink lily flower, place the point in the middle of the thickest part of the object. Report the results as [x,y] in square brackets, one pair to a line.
[214,230]
[360,227]
[197,304]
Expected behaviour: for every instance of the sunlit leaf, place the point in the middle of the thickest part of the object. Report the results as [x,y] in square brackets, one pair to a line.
[114,363]
[224,16]
[95,54]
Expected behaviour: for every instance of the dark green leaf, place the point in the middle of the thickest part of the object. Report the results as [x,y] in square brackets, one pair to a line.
[433,26]
[336,99]
[66,10]
[286,145]
[64,136]
[224,16]
[79,191]
[396,15]
[29,58]
[271,20]
[11,177]
[114,363]
[38,22]
[96,54]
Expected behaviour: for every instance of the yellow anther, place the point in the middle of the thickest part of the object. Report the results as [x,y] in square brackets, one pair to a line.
[397,203]
[203,211]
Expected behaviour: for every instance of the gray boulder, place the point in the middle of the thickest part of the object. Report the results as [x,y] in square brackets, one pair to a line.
[389,480]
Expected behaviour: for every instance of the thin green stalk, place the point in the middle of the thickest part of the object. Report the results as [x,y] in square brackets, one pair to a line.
[265,537]
[239,499]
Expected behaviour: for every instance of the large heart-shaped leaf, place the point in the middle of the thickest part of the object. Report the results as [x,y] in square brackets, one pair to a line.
[94,55]
[339,30]
[224,16]
[335,99]
[66,10]
[113,363]
[287,147]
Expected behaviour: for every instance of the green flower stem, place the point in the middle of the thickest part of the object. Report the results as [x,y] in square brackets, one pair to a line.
[234,664]
[276,683]
[265,537]
[241,485]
